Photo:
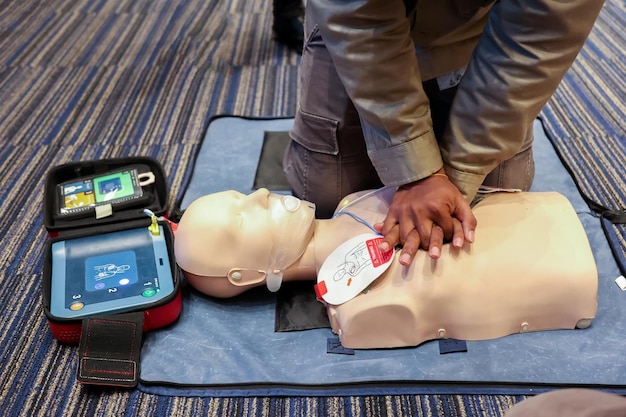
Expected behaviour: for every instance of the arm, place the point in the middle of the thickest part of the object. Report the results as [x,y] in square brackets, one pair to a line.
[371,48]
[523,54]
[521,57]
[375,59]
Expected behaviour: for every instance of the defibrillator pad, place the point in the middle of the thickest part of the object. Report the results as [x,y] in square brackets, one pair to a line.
[109,272]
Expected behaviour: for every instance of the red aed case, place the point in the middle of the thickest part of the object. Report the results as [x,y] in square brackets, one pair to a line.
[109,268]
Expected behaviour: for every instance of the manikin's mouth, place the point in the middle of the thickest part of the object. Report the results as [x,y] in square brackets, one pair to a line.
[291,203]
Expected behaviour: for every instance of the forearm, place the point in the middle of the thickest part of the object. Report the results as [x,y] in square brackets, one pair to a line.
[521,58]
[375,59]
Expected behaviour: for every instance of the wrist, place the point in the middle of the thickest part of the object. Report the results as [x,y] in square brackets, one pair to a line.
[441,172]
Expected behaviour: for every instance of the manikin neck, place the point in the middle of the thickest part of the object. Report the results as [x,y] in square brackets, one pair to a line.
[328,235]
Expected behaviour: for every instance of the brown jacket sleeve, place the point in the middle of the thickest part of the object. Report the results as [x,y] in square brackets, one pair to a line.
[522,55]
[375,59]
[520,59]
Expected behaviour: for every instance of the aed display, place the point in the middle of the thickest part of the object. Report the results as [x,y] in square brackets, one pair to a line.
[109,272]
[83,194]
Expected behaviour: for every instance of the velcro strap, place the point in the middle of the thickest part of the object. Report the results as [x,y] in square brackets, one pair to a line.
[615,216]
[109,350]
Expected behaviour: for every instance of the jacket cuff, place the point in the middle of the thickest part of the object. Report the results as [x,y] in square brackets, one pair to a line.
[466,182]
[407,162]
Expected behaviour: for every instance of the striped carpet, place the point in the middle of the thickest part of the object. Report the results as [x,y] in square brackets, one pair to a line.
[89,79]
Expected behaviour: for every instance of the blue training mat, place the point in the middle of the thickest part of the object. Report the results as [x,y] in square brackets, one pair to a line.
[229,155]
[229,347]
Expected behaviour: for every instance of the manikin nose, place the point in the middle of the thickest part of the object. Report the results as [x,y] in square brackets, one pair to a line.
[261,194]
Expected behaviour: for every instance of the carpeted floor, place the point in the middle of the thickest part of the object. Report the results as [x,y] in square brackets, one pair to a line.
[89,79]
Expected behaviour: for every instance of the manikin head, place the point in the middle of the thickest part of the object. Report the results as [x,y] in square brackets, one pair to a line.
[247,239]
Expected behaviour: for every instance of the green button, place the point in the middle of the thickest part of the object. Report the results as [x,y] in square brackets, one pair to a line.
[149,292]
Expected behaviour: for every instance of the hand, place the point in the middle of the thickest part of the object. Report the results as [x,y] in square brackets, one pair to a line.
[426,213]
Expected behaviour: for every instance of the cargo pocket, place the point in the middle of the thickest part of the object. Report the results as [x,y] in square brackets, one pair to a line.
[316,133]
[311,162]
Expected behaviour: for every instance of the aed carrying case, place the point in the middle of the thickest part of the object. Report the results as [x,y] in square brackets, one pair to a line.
[109,268]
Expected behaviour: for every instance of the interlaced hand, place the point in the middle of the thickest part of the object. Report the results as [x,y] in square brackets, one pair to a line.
[426,214]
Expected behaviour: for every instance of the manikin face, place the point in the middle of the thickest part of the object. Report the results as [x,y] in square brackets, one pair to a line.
[228,230]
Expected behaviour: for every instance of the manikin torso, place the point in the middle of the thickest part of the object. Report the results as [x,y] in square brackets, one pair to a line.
[530,268]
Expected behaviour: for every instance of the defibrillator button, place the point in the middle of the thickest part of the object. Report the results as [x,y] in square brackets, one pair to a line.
[150,292]
[76,306]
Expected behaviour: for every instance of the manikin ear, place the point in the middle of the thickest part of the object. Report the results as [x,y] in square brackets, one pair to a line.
[241,277]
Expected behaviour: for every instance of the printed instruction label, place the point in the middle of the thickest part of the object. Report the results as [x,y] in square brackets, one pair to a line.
[351,268]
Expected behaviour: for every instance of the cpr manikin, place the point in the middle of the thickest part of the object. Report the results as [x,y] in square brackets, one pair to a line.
[530,267]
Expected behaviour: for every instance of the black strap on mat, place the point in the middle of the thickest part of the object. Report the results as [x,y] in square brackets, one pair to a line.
[109,350]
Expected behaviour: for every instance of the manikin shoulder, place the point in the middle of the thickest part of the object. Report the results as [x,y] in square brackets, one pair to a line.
[373,204]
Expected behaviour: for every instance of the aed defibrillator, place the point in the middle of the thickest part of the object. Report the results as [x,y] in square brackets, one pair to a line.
[109,268]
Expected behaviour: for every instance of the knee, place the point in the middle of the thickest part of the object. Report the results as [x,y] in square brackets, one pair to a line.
[517,172]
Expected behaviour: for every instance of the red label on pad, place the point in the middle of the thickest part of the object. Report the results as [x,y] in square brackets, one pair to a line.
[378,258]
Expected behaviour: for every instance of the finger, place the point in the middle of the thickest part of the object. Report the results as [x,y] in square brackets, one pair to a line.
[445,222]
[425,228]
[409,248]
[458,237]
[464,213]
[469,233]
[390,240]
[388,228]
[405,226]
[436,241]
[389,223]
